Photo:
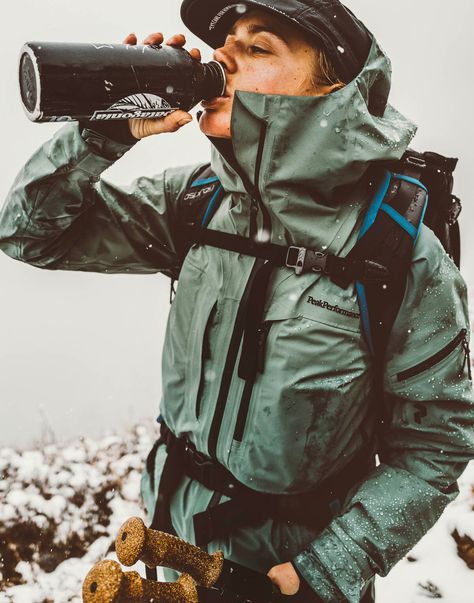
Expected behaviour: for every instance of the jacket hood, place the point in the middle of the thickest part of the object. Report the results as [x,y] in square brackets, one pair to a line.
[308,152]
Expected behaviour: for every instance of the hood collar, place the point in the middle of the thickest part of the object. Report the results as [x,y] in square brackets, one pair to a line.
[309,150]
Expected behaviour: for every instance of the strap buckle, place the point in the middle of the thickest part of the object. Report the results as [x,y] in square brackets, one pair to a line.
[454,210]
[305,260]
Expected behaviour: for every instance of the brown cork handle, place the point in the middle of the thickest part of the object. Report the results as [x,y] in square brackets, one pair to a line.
[106,583]
[136,542]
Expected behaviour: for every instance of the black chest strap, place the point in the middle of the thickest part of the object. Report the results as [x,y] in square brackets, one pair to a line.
[300,259]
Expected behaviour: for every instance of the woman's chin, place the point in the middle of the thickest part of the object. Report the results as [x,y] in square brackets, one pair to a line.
[213,123]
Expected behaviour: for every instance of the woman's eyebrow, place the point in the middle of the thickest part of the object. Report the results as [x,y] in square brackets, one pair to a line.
[255,29]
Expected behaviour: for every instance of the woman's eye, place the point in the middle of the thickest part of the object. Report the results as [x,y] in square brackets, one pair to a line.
[258,50]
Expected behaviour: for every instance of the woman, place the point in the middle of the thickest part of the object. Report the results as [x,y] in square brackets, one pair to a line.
[287,409]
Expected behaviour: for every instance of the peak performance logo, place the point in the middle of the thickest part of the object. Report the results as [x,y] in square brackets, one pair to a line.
[327,306]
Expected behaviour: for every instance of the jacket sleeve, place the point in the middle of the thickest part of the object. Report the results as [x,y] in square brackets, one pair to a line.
[60,214]
[428,442]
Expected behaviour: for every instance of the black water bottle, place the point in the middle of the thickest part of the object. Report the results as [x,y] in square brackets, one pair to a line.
[104,82]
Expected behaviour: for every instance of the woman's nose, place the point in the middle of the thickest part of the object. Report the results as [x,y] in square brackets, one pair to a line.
[225,55]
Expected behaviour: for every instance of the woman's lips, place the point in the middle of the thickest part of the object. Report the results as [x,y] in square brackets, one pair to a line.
[213,103]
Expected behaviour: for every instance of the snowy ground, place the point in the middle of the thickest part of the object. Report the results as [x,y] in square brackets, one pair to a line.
[62,507]
[61,510]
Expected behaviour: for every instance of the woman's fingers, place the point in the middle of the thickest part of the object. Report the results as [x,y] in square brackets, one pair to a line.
[195,53]
[154,38]
[130,39]
[177,40]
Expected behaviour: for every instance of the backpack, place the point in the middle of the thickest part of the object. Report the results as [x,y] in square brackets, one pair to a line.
[380,260]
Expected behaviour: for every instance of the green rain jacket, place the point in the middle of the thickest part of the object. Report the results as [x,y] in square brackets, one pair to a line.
[312,408]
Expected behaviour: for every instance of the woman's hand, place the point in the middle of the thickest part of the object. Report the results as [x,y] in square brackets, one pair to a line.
[140,128]
[285,577]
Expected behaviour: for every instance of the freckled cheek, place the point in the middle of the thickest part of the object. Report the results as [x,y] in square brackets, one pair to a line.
[266,79]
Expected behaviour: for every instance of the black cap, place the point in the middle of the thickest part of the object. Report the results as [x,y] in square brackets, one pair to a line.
[344,38]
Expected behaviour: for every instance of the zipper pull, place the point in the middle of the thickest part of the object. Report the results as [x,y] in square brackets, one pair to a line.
[253,227]
[467,358]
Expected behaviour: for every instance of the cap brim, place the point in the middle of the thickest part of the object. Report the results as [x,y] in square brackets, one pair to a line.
[210,20]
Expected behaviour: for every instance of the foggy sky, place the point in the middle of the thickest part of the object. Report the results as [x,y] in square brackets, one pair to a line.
[80,352]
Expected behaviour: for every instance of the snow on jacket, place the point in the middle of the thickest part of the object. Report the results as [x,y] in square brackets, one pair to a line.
[312,409]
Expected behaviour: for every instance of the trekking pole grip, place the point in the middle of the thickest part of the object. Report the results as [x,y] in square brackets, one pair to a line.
[107,583]
[137,542]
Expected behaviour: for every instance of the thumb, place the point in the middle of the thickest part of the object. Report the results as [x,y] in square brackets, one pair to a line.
[176,120]
[142,128]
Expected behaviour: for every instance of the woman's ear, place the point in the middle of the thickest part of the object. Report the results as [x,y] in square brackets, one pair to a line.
[328,88]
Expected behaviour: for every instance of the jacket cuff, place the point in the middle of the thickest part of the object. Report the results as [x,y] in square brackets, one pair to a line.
[305,593]
[102,144]
[330,569]
[118,131]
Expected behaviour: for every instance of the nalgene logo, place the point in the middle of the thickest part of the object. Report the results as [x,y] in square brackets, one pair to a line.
[135,114]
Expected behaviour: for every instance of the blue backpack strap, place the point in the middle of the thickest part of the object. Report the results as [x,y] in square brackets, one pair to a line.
[390,230]
[202,198]
[198,205]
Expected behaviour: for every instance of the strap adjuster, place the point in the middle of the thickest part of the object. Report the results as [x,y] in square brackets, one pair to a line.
[305,260]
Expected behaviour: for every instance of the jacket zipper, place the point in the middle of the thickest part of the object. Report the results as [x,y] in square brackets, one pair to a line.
[467,358]
[461,337]
[205,355]
[257,197]
[236,337]
[230,363]
[247,393]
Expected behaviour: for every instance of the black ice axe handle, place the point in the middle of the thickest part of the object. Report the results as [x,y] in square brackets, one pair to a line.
[217,577]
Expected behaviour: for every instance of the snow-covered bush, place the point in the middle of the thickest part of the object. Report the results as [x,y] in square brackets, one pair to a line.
[61,510]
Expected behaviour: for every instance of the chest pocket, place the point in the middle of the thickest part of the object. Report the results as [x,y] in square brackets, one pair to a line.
[313,372]
[313,298]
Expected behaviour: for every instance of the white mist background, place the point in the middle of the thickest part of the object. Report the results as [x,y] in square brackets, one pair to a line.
[81,352]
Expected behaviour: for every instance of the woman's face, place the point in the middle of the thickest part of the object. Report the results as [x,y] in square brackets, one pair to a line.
[263,54]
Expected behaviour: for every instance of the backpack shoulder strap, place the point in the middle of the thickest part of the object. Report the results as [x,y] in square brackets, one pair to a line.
[201,198]
[391,228]
[198,205]
[387,237]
